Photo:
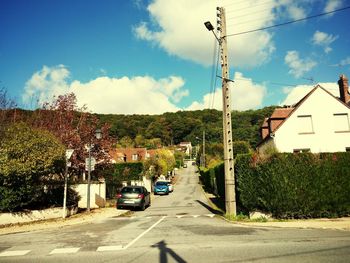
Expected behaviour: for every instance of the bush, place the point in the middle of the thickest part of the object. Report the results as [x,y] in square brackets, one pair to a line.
[29,158]
[295,185]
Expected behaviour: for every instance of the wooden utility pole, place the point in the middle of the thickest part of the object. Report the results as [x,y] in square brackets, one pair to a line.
[230,195]
[203,148]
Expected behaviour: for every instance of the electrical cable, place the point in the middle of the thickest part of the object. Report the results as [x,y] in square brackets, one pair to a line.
[249,7]
[272,83]
[212,74]
[289,22]
[250,13]
[236,3]
[215,82]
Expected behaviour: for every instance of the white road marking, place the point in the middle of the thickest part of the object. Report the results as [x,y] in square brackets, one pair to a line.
[144,233]
[210,215]
[180,216]
[68,250]
[14,253]
[109,248]
[195,216]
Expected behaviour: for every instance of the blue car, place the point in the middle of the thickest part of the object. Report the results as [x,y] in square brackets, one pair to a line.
[161,187]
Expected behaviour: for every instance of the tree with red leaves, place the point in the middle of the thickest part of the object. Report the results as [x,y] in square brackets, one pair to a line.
[75,128]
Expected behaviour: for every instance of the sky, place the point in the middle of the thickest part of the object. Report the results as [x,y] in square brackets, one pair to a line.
[156,56]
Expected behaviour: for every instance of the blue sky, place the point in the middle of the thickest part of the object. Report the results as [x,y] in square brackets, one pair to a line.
[149,57]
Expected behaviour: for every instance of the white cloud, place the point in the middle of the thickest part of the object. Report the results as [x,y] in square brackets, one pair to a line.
[332,5]
[323,39]
[345,62]
[296,94]
[137,95]
[296,12]
[297,65]
[177,26]
[245,94]
[46,83]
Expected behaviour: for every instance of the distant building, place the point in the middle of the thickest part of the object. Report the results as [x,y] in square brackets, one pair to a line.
[120,155]
[186,147]
[319,122]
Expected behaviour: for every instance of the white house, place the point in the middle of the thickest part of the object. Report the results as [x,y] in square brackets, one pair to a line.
[187,146]
[319,122]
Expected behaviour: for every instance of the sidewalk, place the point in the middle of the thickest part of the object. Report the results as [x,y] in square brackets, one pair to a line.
[95,214]
[320,223]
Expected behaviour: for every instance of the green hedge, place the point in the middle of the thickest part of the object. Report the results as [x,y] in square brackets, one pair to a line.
[120,172]
[295,185]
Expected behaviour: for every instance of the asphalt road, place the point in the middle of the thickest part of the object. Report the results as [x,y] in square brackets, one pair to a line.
[176,228]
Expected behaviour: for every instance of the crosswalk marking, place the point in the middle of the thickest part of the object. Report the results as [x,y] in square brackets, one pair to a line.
[72,250]
[14,253]
[68,250]
[109,248]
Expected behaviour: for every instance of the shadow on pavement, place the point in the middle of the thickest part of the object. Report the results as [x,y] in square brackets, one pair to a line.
[164,251]
[212,210]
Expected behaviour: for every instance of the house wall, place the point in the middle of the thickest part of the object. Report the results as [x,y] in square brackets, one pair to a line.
[321,106]
[35,215]
[97,194]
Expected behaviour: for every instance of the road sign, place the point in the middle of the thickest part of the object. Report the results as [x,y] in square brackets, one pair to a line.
[69,153]
[93,163]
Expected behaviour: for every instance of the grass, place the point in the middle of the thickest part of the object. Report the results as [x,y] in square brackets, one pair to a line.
[244,218]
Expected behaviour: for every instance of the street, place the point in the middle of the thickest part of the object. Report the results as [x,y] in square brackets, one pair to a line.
[178,227]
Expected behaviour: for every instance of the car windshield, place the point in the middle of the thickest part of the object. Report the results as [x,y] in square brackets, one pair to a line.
[161,183]
[131,190]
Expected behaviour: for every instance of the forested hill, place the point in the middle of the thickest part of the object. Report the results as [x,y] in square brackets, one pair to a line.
[173,128]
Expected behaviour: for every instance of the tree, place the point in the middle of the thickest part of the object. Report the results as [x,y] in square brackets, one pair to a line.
[6,110]
[140,141]
[160,164]
[75,128]
[30,159]
[125,142]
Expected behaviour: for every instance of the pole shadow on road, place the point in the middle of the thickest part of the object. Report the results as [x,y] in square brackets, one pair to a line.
[164,251]
[212,210]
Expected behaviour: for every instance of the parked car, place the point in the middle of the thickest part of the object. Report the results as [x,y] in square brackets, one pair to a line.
[161,187]
[133,196]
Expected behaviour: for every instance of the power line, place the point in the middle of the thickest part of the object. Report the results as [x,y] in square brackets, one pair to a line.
[214,87]
[236,3]
[289,22]
[212,74]
[272,83]
[250,7]
[250,13]
[248,21]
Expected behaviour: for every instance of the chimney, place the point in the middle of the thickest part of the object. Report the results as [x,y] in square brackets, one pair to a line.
[344,89]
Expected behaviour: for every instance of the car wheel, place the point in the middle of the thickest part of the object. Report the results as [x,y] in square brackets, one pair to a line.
[119,207]
[143,206]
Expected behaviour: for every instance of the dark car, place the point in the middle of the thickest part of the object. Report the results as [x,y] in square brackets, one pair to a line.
[134,197]
[161,187]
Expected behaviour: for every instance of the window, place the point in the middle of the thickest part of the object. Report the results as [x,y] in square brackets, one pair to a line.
[306,150]
[134,157]
[305,125]
[341,122]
